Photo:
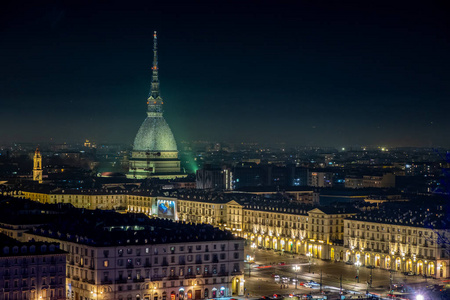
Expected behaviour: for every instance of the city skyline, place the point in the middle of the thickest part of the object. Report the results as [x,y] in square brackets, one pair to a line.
[299,73]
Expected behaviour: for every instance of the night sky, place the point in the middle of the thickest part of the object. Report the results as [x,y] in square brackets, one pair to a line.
[325,73]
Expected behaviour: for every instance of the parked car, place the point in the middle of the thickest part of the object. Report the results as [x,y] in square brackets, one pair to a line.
[277,278]
[349,262]
[370,267]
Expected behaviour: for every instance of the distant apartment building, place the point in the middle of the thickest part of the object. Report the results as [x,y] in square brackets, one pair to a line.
[320,179]
[386,180]
[214,179]
[32,270]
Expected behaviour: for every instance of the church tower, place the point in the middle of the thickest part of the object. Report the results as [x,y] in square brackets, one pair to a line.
[37,166]
[155,153]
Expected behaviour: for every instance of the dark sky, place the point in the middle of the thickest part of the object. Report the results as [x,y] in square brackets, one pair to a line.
[303,72]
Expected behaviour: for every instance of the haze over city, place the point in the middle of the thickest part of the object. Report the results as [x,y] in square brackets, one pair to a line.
[302,73]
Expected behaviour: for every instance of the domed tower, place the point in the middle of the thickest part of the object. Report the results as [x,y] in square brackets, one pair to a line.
[155,153]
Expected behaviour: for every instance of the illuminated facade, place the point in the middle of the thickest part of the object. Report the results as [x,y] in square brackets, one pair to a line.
[393,245]
[133,263]
[155,153]
[37,166]
[322,233]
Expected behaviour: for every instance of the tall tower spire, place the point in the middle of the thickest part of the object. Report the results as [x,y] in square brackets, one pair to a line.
[37,166]
[154,100]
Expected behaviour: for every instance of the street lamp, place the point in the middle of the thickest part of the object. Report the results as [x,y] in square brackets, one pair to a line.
[250,261]
[296,269]
[309,254]
[357,264]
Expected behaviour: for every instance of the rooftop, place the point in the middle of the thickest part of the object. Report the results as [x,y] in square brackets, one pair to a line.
[107,228]
[405,214]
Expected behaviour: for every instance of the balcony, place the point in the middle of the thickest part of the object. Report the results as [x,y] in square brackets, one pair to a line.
[173,277]
[223,273]
[157,278]
[130,266]
[142,279]
[190,276]
[104,281]
[207,275]
[147,265]
[75,277]
[236,273]
[198,261]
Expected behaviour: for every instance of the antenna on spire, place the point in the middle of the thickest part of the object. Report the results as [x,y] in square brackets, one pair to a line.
[154,92]
[155,49]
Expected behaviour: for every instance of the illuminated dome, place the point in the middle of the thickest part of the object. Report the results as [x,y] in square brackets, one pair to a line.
[154,135]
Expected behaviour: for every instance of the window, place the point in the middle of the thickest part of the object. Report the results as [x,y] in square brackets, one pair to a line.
[105,263]
[236,255]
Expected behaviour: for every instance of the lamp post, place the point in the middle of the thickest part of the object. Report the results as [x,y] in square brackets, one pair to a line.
[296,269]
[358,264]
[309,254]
[250,262]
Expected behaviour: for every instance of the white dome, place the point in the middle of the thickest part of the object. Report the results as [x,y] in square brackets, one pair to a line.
[154,135]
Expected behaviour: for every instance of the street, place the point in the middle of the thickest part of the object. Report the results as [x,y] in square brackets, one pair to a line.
[259,280]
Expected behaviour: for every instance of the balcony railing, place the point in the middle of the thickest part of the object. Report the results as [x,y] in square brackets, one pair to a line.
[157,278]
[236,273]
[104,281]
[189,276]
[142,279]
